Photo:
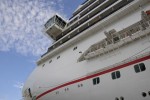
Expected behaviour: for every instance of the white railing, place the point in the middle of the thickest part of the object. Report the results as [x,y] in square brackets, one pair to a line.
[118,39]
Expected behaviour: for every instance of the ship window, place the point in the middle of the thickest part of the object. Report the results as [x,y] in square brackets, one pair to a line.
[80,85]
[142,66]
[50,61]
[139,67]
[80,52]
[66,89]
[117,98]
[96,81]
[43,65]
[58,57]
[57,92]
[144,94]
[118,74]
[149,93]
[75,48]
[121,98]
[115,75]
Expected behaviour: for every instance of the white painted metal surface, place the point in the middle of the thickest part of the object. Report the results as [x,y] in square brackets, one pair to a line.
[64,78]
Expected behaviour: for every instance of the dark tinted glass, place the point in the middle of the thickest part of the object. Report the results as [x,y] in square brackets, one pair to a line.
[74,48]
[94,81]
[149,93]
[98,80]
[50,61]
[144,94]
[113,75]
[121,98]
[58,57]
[142,66]
[117,99]
[136,68]
[118,74]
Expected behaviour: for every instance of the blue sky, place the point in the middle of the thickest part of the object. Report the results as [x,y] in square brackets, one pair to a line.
[22,41]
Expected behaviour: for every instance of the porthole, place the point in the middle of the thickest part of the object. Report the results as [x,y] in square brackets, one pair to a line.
[66,89]
[43,65]
[116,98]
[121,98]
[50,61]
[144,94]
[57,92]
[58,57]
[80,52]
[78,85]
[74,48]
[149,93]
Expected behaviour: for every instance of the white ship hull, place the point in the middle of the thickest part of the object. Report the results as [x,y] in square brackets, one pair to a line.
[63,77]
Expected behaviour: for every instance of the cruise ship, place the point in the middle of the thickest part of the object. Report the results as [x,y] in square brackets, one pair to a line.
[101,53]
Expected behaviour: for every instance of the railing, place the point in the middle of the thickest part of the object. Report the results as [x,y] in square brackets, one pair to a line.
[84,5]
[86,18]
[98,17]
[117,39]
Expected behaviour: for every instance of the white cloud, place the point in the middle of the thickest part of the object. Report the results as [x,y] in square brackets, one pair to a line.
[18,85]
[21,22]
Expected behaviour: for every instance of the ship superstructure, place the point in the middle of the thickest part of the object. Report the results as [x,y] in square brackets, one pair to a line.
[103,52]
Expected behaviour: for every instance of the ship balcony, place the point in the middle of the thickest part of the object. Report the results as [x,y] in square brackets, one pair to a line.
[54,26]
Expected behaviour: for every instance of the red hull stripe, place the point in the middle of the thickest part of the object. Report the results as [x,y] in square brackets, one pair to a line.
[94,75]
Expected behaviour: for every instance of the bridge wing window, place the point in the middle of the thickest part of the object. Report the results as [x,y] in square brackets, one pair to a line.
[49,22]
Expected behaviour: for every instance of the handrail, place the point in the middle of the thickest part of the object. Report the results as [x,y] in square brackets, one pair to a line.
[118,37]
[85,26]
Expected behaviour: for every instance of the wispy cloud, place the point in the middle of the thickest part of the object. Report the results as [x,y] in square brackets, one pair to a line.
[18,85]
[21,22]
